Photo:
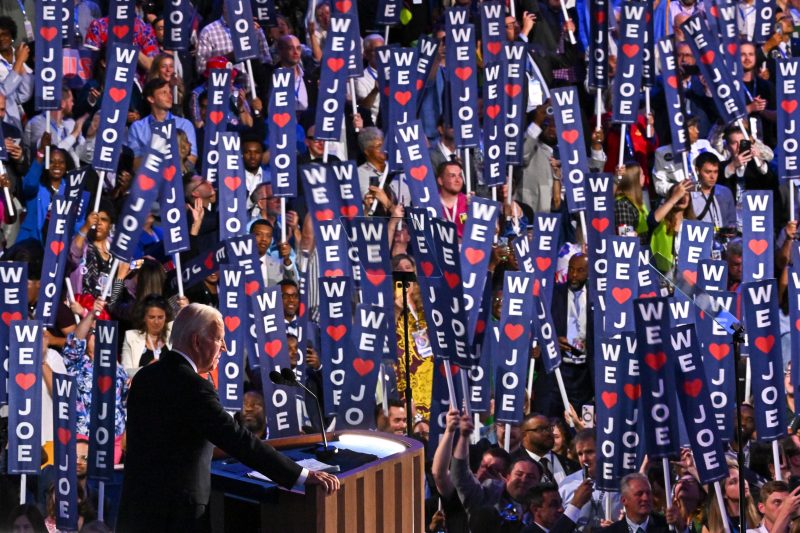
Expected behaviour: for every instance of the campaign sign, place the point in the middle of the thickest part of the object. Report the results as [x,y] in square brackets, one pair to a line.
[59,236]
[388,13]
[696,240]
[628,76]
[102,417]
[727,28]
[648,285]
[233,306]
[522,251]
[718,361]
[427,52]
[476,250]
[429,275]
[648,49]
[13,306]
[712,275]
[447,300]
[355,59]
[672,95]
[283,133]
[657,377]
[332,247]
[335,320]
[346,174]
[712,67]
[199,268]
[114,109]
[384,70]
[243,36]
[569,128]
[794,316]
[494,138]
[421,180]
[25,398]
[493,31]
[632,410]
[515,107]
[544,252]
[758,258]
[608,373]
[788,117]
[369,236]
[178,16]
[512,355]
[545,331]
[265,12]
[762,320]
[273,353]
[68,25]
[480,373]
[765,19]
[233,216]
[598,44]
[242,251]
[358,395]
[64,454]
[172,201]
[462,74]
[623,268]
[219,88]
[121,21]
[144,191]
[323,197]
[599,225]
[333,80]
[695,401]
[440,403]
[48,56]
[403,91]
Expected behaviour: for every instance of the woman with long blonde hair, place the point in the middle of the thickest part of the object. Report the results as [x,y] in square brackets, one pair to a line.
[730,493]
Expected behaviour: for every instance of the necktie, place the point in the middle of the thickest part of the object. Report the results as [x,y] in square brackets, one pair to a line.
[545,462]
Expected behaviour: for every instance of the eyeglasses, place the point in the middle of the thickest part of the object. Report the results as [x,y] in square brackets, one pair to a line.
[83,459]
[543,429]
[291,296]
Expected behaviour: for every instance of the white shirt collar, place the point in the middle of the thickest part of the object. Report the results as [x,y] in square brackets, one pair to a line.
[635,527]
[194,366]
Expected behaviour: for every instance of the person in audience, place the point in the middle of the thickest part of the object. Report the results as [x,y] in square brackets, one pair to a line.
[636,496]
[143,344]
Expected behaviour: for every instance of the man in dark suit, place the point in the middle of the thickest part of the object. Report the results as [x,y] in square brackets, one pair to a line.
[548,512]
[537,446]
[174,421]
[637,498]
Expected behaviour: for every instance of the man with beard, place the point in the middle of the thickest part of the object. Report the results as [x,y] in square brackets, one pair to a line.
[252,416]
[537,446]
[535,189]
[450,178]
[255,172]
[761,104]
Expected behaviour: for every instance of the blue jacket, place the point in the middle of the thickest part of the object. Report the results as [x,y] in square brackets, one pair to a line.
[37,202]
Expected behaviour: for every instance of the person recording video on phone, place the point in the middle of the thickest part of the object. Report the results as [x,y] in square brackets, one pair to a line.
[746,167]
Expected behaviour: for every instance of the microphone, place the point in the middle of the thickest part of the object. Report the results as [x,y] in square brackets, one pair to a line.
[288,377]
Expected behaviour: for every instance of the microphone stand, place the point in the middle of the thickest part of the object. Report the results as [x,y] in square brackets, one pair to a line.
[289,378]
[738,340]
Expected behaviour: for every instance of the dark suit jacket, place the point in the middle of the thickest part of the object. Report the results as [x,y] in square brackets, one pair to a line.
[657,524]
[562,525]
[558,311]
[174,421]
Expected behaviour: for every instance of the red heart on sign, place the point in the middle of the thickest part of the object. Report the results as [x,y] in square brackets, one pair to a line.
[343,6]
[104,383]
[570,135]
[513,331]
[494,47]
[363,366]
[402,97]
[301,310]
[333,273]
[609,399]
[463,73]
[25,381]
[146,183]
[797,324]
[335,63]
[251,286]
[633,391]
[789,105]
[655,360]
[376,277]
[600,17]
[690,276]
[349,211]
[336,332]
[473,255]
[651,294]
[56,247]
[693,387]
[273,347]
[427,268]
[209,262]
[120,31]
[420,83]
[452,279]
[493,110]
[621,295]
[708,57]
[325,214]
[537,287]
[672,81]
[600,224]
[64,435]
[216,116]
[8,317]
[117,94]
[512,89]
[765,344]
[170,172]
[453,370]
[543,263]
[48,33]
[232,322]
[419,173]
[758,246]
[630,50]
[232,182]
[718,350]
[714,11]
[281,119]
[480,325]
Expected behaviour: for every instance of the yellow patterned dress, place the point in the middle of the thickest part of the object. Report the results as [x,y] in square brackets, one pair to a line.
[421,367]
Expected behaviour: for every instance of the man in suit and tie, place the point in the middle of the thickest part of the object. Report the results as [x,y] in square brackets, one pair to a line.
[174,421]
[537,446]
[548,512]
[637,498]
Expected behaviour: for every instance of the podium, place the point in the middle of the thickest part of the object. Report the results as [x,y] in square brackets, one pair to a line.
[386,495]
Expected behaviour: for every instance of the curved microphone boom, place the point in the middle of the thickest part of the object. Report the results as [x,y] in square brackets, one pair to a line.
[287,377]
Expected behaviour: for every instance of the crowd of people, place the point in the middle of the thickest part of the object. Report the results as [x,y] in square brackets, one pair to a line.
[543,479]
